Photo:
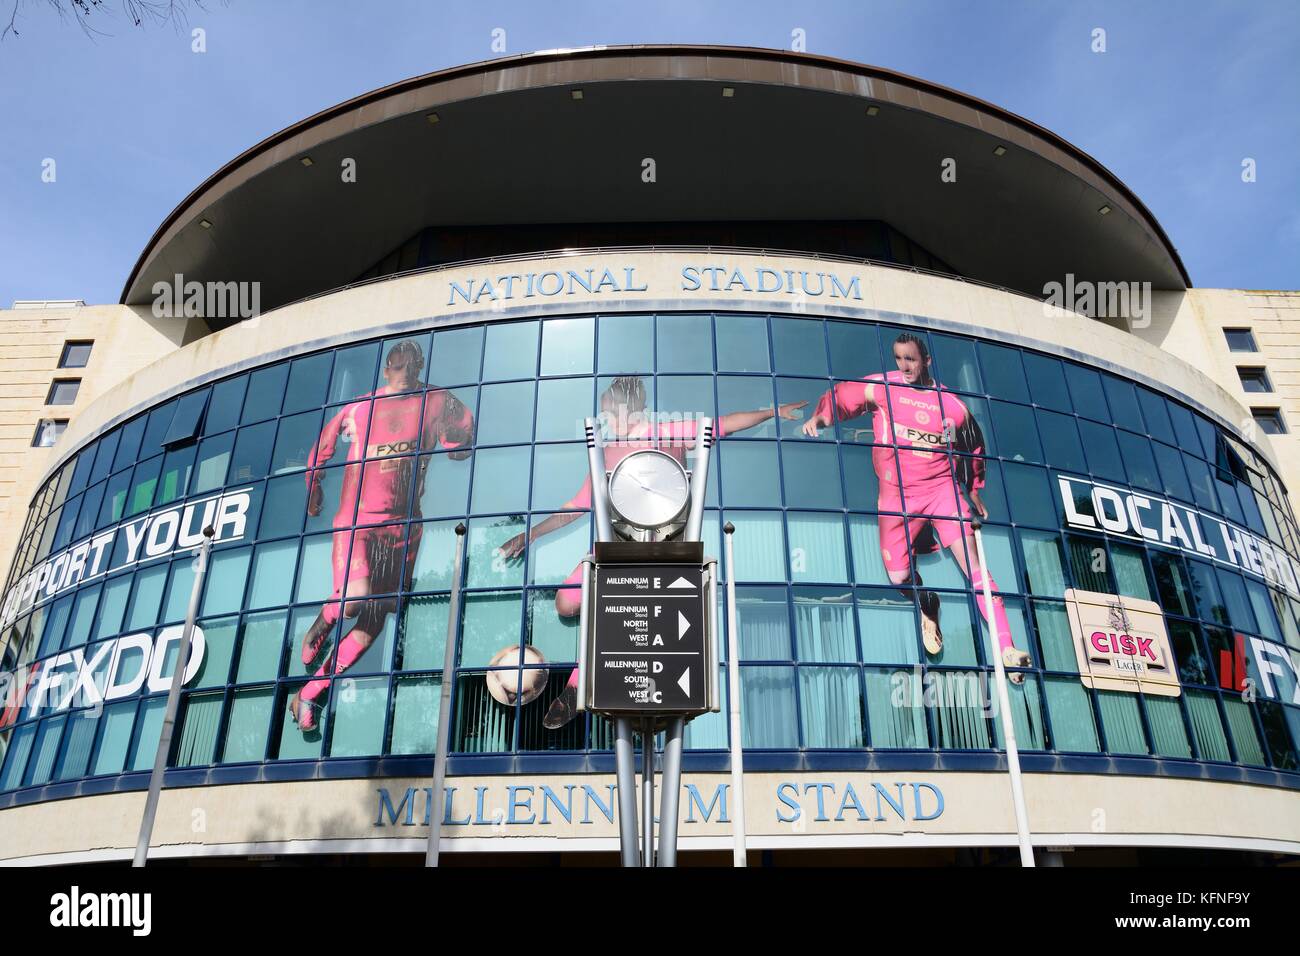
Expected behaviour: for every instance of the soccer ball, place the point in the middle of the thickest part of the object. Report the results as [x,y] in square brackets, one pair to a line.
[505,685]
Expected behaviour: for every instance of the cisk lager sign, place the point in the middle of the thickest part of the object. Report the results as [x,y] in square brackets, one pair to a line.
[98,674]
[1121,643]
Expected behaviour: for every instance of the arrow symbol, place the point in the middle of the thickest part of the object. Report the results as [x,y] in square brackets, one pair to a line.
[682,583]
[684,682]
[683,625]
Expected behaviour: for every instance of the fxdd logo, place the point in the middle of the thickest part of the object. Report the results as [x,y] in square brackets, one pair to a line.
[74,909]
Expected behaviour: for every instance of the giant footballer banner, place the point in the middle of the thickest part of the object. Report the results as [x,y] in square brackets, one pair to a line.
[925,497]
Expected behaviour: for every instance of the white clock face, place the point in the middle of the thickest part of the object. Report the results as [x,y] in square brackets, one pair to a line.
[649,489]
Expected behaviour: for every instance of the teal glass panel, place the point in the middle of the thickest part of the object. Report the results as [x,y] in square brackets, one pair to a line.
[487,565]
[1056,643]
[1130,572]
[83,614]
[896,710]
[798,346]
[958,632]
[559,473]
[817,548]
[555,637]
[811,479]
[308,382]
[265,394]
[176,470]
[260,646]
[553,557]
[854,348]
[750,474]
[563,405]
[40,766]
[197,745]
[456,356]
[768,707]
[1069,706]
[763,624]
[78,746]
[1026,714]
[1122,723]
[294,443]
[114,737]
[19,752]
[112,606]
[491,622]
[1046,382]
[435,563]
[887,622]
[737,393]
[294,743]
[246,728]
[212,463]
[149,585]
[742,343]
[1004,375]
[501,480]
[1245,738]
[830,706]
[252,454]
[219,639]
[359,707]
[148,729]
[567,346]
[864,543]
[626,343]
[759,545]
[415,715]
[955,364]
[272,578]
[1168,732]
[315,574]
[445,488]
[683,343]
[823,623]
[1017,437]
[422,641]
[1207,725]
[1044,571]
[510,351]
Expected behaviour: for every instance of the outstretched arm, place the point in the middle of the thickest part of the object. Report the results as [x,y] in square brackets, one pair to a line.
[846,400]
[739,421]
[514,548]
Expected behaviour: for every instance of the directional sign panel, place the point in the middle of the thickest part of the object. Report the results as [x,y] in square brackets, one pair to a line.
[648,640]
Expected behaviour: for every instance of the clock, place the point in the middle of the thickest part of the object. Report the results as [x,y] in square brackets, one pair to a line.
[649,490]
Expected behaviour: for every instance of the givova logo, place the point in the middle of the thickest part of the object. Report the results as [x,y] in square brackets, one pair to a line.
[76,909]
[106,672]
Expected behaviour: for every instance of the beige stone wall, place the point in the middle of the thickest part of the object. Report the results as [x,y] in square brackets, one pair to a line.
[31,343]
[1190,326]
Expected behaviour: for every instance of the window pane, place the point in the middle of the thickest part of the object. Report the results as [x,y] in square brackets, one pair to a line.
[567,346]
[855,349]
[1004,376]
[415,715]
[198,732]
[759,545]
[1207,726]
[114,737]
[1168,732]
[1156,417]
[501,480]
[457,354]
[1123,404]
[1044,573]
[1069,708]
[817,547]
[227,402]
[684,343]
[887,621]
[128,449]
[265,394]
[1046,382]
[750,475]
[626,343]
[1245,738]
[1122,723]
[895,710]
[250,717]
[213,460]
[1102,450]
[491,621]
[511,351]
[359,708]
[294,442]
[308,382]
[768,707]
[811,476]
[1061,442]
[831,707]
[955,364]
[798,345]
[1017,437]
[506,413]
[562,406]
[742,343]
[763,624]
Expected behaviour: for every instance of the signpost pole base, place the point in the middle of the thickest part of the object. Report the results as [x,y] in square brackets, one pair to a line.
[625,765]
[672,785]
[648,793]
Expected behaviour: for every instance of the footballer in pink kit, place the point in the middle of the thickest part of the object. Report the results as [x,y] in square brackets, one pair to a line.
[623,406]
[922,423]
[382,430]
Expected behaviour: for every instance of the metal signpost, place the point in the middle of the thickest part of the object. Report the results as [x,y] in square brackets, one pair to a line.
[648,651]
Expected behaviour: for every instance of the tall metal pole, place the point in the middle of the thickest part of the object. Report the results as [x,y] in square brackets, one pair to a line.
[672,788]
[437,794]
[733,707]
[1004,701]
[173,704]
[625,764]
[648,793]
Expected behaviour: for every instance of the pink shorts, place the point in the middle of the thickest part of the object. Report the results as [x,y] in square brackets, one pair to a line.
[926,503]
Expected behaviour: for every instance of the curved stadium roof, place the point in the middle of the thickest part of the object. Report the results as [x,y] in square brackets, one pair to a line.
[795,141]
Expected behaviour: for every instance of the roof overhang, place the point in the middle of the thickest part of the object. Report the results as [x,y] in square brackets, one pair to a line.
[798,137]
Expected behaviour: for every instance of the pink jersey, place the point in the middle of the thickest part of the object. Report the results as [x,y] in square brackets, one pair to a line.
[913,419]
[683,432]
[387,431]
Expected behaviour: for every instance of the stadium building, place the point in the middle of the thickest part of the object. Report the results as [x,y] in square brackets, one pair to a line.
[902,304]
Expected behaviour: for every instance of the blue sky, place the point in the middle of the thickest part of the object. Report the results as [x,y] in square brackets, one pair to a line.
[1184,92]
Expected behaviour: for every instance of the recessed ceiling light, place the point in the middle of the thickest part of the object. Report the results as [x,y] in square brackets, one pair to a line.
[306,160]
[728,91]
[205,224]
[576,94]
[1104,210]
[873,110]
[999,150]
[432,118]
